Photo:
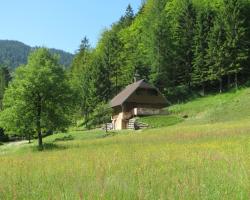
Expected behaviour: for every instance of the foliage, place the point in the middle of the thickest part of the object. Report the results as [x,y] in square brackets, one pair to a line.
[183,47]
[100,115]
[39,98]
[3,137]
[5,78]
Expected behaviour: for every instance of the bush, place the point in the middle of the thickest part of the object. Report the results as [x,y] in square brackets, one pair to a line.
[101,115]
[3,137]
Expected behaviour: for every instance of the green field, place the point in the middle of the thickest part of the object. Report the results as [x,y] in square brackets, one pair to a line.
[204,156]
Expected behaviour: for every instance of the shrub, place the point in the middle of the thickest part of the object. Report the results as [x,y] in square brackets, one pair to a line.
[3,137]
[101,115]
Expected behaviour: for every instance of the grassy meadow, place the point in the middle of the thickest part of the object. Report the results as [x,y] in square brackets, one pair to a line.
[204,156]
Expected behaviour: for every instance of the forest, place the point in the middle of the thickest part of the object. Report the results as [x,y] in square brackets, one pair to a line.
[186,48]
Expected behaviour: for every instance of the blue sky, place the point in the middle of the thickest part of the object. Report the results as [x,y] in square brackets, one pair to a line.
[59,24]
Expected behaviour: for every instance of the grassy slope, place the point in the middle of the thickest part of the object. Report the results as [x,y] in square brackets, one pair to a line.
[204,157]
[208,110]
[213,109]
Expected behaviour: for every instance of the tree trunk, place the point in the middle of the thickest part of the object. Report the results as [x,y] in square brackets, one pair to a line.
[29,138]
[106,127]
[86,120]
[38,124]
[236,80]
[116,80]
[40,140]
[220,80]
[228,81]
[203,89]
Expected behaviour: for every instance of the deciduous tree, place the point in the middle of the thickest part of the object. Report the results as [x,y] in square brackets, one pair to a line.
[39,99]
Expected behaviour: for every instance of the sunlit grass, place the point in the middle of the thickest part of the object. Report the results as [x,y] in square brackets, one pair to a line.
[161,120]
[230,106]
[194,159]
[188,162]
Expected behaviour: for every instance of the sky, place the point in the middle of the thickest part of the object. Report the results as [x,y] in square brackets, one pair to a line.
[59,24]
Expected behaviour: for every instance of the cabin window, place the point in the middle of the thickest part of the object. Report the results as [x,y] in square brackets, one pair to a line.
[152,92]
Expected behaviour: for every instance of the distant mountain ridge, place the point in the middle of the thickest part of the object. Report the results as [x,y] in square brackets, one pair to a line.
[15,53]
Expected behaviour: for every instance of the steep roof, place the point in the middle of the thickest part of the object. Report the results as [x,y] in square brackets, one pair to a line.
[130,89]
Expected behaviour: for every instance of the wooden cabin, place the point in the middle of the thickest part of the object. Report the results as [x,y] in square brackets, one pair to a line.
[137,99]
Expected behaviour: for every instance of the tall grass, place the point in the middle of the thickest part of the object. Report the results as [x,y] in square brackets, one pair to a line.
[161,120]
[212,109]
[195,159]
[191,162]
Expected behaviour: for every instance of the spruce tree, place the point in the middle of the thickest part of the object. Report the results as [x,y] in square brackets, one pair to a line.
[183,32]
[162,71]
[200,71]
[216,53]
[79,77]
[235,45]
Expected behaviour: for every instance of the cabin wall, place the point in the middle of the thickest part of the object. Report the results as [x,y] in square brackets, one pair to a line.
[148,111]
[120,121]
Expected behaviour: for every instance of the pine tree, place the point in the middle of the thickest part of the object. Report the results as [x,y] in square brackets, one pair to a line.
[183,32]
[79,76]
[128,17]
[216,53]
[236,49]
[204,22]
[108,51]
[162,74]
[84,46]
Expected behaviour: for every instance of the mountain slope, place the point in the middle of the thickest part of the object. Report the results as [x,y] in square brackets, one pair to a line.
[14,53]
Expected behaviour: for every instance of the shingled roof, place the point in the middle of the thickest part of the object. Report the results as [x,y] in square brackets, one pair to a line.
[130,89]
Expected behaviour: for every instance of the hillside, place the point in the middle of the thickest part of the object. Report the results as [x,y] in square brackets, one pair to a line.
[227,107]
[183,47]
[202,156]
[14,53]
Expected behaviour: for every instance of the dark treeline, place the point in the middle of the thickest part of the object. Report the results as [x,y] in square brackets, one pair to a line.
[184,47]
[4,81]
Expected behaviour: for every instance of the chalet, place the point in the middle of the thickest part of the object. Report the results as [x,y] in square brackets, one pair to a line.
[137,99]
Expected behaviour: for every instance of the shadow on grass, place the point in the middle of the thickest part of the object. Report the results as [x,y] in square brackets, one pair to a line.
[65,138]
[108,134]
[49,147]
